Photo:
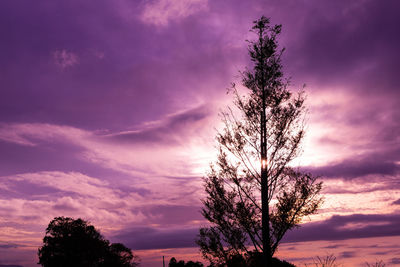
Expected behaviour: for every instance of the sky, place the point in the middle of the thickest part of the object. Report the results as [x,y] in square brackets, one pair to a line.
[109,109]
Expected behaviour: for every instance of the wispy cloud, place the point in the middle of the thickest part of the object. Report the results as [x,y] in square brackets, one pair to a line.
[161,148]
[65,59]
[70,194]
[160,12]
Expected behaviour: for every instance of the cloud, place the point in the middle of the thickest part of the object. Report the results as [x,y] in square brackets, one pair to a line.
[334,228]
[346,227]
[348,254]
[66,182]
[71,194]
[160,12]
[9,245]
[153,195]
[394,261]
[30,200]
[351,168]
[173,214]
[159,148]
[175,129]
[65,59]
[396,202]
[333,246]
[143,238]
[32,134]
[338,36]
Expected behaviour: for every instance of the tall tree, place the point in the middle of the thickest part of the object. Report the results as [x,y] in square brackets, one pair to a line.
[254,196]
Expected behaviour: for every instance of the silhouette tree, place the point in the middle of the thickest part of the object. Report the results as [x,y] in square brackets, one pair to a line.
[70,242]
[174,263]
[253,195]
[253,259]
[120,256]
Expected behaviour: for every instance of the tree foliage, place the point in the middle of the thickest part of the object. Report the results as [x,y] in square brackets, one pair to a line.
[233,184]
[70,242]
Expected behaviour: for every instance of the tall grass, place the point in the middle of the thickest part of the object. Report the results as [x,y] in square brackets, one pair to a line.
[330,261]
[376,264]
[327,261]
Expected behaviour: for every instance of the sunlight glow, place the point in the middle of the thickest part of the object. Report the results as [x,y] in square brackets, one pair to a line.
[264,163]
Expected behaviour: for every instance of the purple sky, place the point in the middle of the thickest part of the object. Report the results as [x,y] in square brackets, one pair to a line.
[108,112]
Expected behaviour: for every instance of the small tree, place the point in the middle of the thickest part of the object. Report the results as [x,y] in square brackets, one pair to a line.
[253,196]
[120,256]
[70,242]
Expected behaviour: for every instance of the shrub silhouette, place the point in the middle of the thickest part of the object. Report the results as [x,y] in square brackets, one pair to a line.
[174,263]
[252,259]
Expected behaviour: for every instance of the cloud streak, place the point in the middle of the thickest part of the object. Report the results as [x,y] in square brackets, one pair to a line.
[346,227]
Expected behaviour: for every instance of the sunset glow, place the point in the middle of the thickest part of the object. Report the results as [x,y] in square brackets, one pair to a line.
[109,112]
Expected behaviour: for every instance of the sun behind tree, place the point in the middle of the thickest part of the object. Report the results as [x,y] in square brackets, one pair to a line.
[253,195]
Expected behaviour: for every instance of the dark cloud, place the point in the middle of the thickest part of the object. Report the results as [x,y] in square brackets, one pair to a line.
[337,49]
[376,246]
[394,261]
[333,246]
[397,202]
[10,246]
[359,166]
[335,228]
[172,214]
[65,208]
[351,168]
[127,73]
[390,252]
[340,228]
[347,254]
[151,238]
[362,185]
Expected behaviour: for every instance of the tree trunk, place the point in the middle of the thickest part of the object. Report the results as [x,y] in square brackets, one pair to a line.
[264,190]
[264,163]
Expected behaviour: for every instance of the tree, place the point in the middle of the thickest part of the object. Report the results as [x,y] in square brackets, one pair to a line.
[254,196]
[174,263]
[70,242]
[120,256]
